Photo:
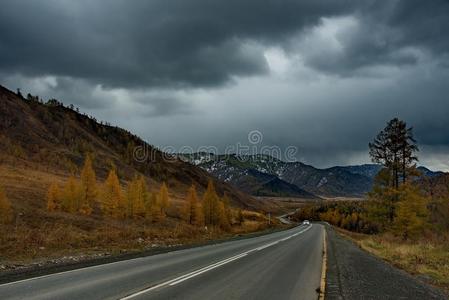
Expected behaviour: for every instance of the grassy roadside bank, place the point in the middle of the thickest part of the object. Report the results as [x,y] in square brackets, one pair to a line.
[426,259]
[44,266]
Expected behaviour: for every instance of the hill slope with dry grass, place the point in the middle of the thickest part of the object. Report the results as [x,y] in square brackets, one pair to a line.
[54,139]
[44,143]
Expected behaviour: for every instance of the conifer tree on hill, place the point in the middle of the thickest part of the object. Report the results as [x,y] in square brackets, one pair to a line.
[71,196]
[112,196]
[89,187]
[192,211]
[411,212]
[164,200]
[141,197]
[211,205]
[394,148]
[53,198]
[153,210]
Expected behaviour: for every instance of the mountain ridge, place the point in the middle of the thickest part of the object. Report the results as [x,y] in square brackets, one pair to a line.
[337,181]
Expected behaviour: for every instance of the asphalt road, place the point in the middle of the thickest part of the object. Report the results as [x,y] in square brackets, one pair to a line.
[281,265]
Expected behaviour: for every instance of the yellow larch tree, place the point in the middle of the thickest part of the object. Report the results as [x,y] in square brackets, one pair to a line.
[112,195]
[89,187]
[225,213]
[53,197]
[6,213]
[153,208]
[71,195]
[131,196]
[411,212]
[199,219]
[141,197]
[192,212]
[222,222]
[210,205]
[137,197]
[164,200]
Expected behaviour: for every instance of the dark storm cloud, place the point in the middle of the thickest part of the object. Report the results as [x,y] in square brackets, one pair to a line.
[149,43]
[204,42]
[419,23]
[321,75]
[387,33]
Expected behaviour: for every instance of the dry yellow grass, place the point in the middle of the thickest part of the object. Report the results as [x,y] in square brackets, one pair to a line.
[428,257]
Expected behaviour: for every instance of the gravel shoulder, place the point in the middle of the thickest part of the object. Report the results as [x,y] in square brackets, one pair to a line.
[355,274]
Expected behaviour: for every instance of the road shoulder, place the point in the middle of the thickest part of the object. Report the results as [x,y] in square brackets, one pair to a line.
[355,274]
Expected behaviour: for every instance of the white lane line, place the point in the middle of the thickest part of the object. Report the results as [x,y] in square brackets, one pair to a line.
[195,273]
[191,274]
[267,245]
[208,269]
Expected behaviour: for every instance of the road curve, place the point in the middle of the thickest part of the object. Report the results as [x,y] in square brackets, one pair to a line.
[281,265]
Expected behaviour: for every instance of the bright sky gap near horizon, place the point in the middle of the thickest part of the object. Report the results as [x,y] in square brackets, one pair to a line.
[322,76]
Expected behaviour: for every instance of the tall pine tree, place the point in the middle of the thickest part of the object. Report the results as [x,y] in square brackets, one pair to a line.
[394,148]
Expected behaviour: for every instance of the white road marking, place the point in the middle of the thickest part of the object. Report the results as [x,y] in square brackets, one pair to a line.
[182,278]
[267,245]
[208,269]
[187,276]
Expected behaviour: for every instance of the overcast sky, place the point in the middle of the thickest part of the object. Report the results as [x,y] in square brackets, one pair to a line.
[323,76]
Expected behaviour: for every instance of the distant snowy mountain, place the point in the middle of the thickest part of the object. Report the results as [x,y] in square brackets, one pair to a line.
[249,173]
[239,171]
[256,175]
